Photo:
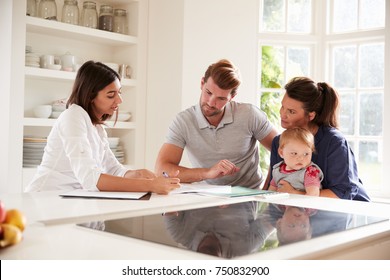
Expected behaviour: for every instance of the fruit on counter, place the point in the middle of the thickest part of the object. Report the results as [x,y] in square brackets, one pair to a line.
[12,224]
[2,212]
[16,218]
[10,235]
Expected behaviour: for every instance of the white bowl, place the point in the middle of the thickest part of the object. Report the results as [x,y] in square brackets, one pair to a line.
[58,107]
[113,141]
[55,114]
[54,66]
[42,111]
[123,116]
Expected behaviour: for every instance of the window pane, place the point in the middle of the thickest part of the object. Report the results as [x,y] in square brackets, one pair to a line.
[270,104]
[344,67]
[371,112]
[272,66]
[372,14]
[273,15]
[299,16]
[347,113]
[370,163]
[345,15]
[371,65]
[297,62]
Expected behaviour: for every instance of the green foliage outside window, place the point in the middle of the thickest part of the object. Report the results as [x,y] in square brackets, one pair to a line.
[270,100]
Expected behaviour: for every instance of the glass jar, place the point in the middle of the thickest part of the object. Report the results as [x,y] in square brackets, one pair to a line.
[70,12]
[48,9]
[89,17]
[120,21]
[106,18]
[31,9]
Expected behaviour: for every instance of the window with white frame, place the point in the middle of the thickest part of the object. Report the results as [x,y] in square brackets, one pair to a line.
[341,42]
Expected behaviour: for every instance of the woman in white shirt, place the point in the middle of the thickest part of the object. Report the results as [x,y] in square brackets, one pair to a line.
[77,154]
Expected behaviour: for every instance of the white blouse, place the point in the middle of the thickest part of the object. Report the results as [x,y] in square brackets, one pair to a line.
[76,153]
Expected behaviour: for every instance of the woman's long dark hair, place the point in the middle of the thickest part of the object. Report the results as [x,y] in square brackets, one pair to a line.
[91,78]
[320,98]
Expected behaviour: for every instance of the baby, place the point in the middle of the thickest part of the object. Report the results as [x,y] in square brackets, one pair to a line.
[296,146]
[295,225]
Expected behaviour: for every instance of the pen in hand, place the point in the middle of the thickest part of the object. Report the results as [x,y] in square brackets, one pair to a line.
[165,175]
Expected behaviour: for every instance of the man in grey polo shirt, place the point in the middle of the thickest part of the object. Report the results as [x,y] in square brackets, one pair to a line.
[219,134]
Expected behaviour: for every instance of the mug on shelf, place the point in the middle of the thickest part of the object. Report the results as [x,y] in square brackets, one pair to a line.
[42,111]
[46,60]
[125,71]
[68,62]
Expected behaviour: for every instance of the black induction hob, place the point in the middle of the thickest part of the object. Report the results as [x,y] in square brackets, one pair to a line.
[233,230]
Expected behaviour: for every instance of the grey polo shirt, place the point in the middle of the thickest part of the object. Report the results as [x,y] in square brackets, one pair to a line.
[234,139]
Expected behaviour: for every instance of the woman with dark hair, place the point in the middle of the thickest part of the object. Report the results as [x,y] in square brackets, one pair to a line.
[77,154]
[314,106]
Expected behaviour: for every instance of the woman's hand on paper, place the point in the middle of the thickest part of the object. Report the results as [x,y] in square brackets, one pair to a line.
[161,185]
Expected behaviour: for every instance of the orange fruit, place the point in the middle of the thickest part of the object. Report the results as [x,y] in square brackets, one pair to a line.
[16,218]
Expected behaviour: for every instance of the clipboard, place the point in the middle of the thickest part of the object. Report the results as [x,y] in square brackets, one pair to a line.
[107,195]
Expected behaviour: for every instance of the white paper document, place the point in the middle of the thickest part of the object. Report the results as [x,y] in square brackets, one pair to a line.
[107,195]
[202,188]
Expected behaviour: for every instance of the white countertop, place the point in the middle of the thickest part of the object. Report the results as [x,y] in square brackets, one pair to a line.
[52,233]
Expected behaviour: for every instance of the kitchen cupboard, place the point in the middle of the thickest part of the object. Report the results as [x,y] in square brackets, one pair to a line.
[43,86]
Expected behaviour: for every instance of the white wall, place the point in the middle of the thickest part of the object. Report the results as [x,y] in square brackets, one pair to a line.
[5,74]
[10,87]
[219,29]
[185,36]
[164,72]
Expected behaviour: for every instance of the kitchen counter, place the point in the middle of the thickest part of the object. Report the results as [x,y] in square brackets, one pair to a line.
[52,233]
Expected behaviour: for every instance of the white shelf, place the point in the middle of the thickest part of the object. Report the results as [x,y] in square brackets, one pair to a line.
[60,29]
[38,122]
[50,122]
[47,74]
[121,125]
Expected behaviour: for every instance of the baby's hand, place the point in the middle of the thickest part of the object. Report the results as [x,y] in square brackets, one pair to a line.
[284,186]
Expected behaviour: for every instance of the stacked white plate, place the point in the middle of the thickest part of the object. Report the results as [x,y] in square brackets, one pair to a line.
[33,151]
[32,60]
[119,153]
[117,149]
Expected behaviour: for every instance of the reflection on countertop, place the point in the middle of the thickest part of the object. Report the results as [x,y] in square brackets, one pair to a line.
[235,229]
